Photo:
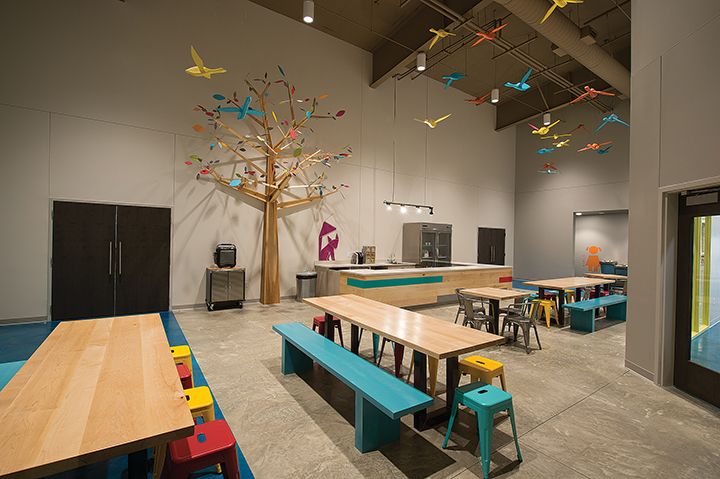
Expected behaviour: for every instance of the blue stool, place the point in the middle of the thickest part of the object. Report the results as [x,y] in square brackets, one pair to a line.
[485,400]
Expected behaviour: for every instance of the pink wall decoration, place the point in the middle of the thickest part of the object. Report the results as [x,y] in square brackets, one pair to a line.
[327,252]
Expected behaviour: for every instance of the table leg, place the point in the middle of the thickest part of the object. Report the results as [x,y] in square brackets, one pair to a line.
[452,379]
[561,310]
[420,383]
[159,460]
[399,352]
[137,464]
[329,327]
[495,305]
[598,288]
[354,338]
[578,294]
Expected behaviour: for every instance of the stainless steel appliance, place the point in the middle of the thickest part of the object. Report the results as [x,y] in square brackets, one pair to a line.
[224,288]
[427,244]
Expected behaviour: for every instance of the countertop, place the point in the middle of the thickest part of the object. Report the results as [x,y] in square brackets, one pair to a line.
[439,269]
[341,265]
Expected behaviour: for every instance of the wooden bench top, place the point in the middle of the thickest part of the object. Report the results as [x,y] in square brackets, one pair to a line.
[94,389]
[385,391]
[595,303]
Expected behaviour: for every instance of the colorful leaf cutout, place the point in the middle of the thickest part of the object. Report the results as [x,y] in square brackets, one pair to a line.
[198,128]
[308,114]
[293,133]
[297,152]
[282,72]
[204,171]
[292,90]
[323,96]
[340,113]
[235,183]
[188,162]
[195,157]
[218,96]
[273,115]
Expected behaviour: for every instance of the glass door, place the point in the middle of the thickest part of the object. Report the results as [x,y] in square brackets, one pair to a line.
[697,335]
[428,248]
[443,248]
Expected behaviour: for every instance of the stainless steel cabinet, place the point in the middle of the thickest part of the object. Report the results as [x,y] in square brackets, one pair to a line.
[427,244]
[224,288]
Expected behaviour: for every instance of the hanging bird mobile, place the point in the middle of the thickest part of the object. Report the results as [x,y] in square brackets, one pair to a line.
[545,151]
[555,136]
[549,169]
[611,118]
[439,33]
[479,100]
[562,144]
[591,94]
[603,151]
[488,35]
[556,4]
[433,123]
[199,69]
[454,76]
[543,130]
[522,85]
[594,146]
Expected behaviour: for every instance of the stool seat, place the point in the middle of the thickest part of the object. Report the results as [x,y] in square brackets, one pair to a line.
[212,443]
[483,369]
[319,324]
[198,398]
[476,395]
[321,320]
[185,376]
[180,351]
[483,364]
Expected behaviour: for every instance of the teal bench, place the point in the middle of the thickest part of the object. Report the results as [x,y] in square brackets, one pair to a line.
[8,371]
[380,398]
[583,312]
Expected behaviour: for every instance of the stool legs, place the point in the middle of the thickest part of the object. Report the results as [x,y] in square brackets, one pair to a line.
[159,460]
[485,430]
[511,411]
[453,413]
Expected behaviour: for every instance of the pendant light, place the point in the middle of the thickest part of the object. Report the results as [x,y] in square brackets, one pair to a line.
[546,119]
[420,61]
[495,95]
[308,11]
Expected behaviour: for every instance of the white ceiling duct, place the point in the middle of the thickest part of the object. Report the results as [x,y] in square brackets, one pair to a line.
[565,34]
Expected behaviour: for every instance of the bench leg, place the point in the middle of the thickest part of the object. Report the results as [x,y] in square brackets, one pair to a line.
[617,311]
[294,360]
[373,428]
[583,321]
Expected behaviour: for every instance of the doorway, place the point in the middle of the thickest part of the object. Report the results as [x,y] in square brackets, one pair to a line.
[697,325]
[109,260]
[491,246]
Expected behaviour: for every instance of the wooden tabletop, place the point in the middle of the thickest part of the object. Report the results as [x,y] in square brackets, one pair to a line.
[614,277]
[572,282]
[93,390]
[496,293]
[434,337]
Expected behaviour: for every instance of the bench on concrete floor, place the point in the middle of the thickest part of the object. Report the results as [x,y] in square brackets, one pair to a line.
[380,398]
[583,312]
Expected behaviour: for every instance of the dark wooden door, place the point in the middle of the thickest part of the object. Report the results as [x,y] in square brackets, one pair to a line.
[83,256]
[491,246]
[143,260]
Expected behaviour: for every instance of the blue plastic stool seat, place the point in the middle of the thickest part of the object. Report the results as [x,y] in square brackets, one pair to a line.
[486,401]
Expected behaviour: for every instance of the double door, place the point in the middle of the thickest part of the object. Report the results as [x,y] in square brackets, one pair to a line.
[109,260]
[435,248]
[491,246]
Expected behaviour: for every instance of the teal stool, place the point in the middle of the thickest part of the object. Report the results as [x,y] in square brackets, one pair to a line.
[486,401]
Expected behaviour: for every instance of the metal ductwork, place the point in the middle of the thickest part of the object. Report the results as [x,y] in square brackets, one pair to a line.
[561,31]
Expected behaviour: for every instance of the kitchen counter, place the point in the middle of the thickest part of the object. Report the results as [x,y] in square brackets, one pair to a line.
[438,269]
[328,279]
[341,265]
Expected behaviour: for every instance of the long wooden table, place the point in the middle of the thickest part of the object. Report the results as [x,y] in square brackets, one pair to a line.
[495,295]
[93,390]
[425,335]
[561,284]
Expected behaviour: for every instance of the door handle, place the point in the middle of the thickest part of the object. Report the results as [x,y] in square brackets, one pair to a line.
[110,259]
[120,258]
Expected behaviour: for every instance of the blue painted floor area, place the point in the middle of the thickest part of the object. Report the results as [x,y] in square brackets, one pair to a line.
[18,342]
[520,284]
[705,348]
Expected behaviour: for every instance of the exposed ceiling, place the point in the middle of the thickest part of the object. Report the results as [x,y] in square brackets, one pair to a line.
[395,30]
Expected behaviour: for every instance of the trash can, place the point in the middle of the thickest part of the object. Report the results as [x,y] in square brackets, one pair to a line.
[621,269]
[607,267]
[305,285]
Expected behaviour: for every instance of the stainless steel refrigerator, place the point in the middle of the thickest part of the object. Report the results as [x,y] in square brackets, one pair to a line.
[427,244]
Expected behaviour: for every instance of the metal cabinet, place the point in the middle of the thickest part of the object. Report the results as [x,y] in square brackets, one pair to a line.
[427,244]
[224,288]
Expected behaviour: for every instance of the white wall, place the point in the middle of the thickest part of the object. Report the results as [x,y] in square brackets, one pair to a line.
[545,204]
[99,109]
[672,148]
[609,232]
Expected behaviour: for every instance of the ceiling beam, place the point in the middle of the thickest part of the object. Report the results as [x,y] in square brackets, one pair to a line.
[390,58]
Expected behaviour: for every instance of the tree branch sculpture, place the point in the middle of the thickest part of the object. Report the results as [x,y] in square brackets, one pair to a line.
[274,159]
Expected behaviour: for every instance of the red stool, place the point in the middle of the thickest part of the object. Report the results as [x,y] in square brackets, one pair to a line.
[213,443]
[185,377]
[319,324]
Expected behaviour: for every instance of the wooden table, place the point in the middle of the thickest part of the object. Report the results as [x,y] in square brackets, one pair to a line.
[93,390]
[428,337]
[495,295]
[561,284]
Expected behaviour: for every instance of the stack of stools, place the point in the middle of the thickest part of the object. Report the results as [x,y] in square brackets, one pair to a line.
[486,401]
[319,326]
[181,355]
[185,376]
[212,443]
[483,369]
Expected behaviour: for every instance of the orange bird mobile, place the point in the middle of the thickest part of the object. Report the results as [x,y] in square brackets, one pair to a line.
[479,100]
[488,35]
[594,146]
[591,93]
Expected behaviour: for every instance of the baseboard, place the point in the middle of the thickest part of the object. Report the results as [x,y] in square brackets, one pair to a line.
[640,370]
[12,321]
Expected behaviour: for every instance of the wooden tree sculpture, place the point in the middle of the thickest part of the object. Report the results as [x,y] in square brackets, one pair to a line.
[274,159]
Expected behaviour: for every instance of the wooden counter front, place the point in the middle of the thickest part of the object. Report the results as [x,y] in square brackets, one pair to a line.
[422,286]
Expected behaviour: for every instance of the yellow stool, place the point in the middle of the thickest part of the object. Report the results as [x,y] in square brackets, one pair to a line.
[482,369]
[201,404]
[570,296]
[546,305]
[181,355]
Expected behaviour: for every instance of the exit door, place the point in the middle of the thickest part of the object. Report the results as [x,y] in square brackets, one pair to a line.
[491,246]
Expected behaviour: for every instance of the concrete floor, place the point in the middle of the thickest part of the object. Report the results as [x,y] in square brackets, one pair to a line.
[580,412]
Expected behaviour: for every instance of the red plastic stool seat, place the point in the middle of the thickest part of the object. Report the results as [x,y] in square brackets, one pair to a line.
[185,377]
[213,443]
[319,324]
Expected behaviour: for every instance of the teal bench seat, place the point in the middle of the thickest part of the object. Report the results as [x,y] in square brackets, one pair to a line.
[583,312]
[8,371]
[380,398]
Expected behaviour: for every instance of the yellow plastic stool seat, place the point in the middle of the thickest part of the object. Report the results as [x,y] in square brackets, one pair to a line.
[181,355]
[483,369]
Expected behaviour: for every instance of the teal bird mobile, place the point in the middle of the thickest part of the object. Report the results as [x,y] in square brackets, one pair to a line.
[544,151]
[522,85]
[241,110]
[454,76]
[603,151]
[611,118]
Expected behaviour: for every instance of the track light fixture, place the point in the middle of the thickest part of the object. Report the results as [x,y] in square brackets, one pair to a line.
[495,95]
[404,207]
[308,11]
[420,61]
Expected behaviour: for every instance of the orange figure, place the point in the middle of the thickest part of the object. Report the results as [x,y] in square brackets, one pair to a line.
[593,260]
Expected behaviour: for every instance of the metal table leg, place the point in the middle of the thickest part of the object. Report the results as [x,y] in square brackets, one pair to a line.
[495,305]
[329,327]
[420,382]
[354,338]
[137,464]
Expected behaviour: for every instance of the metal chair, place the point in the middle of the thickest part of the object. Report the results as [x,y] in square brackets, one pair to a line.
[477,317]
[520,315]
